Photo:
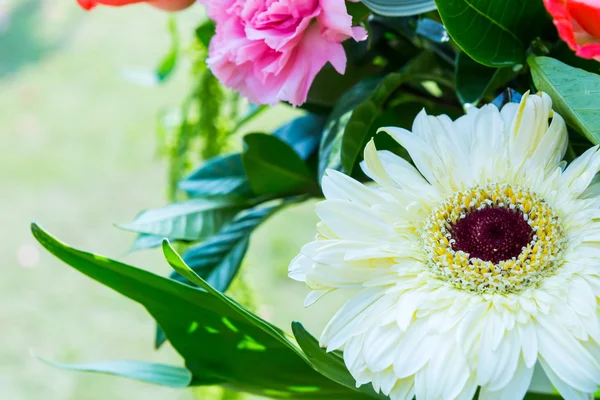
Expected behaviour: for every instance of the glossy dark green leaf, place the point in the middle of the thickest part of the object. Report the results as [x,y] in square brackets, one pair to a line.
[273,167]
[575,94]
[221,342]
[474,80]
[358,129]
[221,175]
[329,87]
[494,33]
[333,133]
[158,374]
[169,62]
[205,32]
[303,134]
[189,220]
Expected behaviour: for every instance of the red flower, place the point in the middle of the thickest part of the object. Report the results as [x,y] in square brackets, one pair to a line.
[578,23]
[168,5]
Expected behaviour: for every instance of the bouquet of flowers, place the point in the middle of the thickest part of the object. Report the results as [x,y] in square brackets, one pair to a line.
[454,146]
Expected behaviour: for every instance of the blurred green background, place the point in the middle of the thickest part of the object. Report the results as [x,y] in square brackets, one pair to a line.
[78,153]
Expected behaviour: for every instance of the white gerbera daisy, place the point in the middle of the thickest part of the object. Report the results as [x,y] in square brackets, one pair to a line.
[474,267]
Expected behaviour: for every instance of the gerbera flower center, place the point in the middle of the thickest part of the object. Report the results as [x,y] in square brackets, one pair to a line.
[492,234]
[493,238]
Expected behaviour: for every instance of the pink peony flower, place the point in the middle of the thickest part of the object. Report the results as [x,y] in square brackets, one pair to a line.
[271,50]
[578,23]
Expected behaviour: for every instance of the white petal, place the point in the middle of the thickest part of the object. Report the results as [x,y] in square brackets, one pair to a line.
[566,391]
[593,190]
[352,221]
[529,347]
[337,186]
[373,167]
[299,266]
[447,372]
[414,351]
[580,173]
[380,346]
[403,390]
[352,354]
[469,329]
[384,381]
[423,155]
[488,151]
[405,175]
[352,318]
[516,388]
[551,148]
[567,358]
[406,307]
[314,296]
[469,389]
[507,361]
[528,127]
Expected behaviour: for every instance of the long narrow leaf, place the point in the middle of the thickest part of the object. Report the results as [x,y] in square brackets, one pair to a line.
[221,342]
[158,374]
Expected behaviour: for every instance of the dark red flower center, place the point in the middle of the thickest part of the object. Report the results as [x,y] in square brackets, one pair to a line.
[492,234]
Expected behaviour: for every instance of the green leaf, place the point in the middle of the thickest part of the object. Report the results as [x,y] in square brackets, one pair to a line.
[179,265]
[221,342]
[158,374]
[400,8]
[205,32]
[189,220]
[168,64]
[221,175]
[329,86]
[494,33]
[303,134]
[575,94]
[218,258]
[333,133]
[358,129]
[474,80]
[364,121]
[356,132]
[273,167]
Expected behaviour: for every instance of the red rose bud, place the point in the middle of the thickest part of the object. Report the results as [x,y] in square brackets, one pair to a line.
[578,24]
[167,5]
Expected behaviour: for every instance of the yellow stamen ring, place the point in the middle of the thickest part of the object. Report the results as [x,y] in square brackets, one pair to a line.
[538,259]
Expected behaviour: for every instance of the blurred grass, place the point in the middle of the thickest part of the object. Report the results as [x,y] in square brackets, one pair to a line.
[77,154]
